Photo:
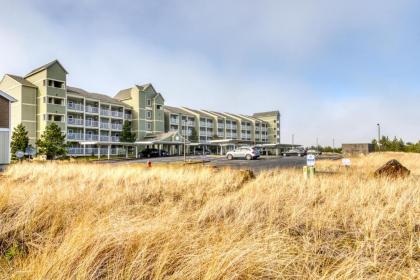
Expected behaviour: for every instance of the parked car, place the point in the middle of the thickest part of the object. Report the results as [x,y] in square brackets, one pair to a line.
[313,152]
[247,153]
[201,151]
[149,153]
[295,152]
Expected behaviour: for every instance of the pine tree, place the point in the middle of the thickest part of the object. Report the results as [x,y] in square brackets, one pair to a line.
[52,142]
[20,140]
[126,134]
[194,135]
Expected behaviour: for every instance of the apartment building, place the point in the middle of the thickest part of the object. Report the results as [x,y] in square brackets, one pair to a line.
[93,122]
[5,123]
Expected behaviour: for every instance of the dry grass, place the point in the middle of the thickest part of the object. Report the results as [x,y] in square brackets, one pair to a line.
[89,221]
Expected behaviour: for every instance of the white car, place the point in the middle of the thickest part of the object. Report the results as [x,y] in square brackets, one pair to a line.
[247,153]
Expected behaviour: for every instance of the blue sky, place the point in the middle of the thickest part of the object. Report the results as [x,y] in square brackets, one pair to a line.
[333,68]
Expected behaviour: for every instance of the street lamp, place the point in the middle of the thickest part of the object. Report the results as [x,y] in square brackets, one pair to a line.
[379,135]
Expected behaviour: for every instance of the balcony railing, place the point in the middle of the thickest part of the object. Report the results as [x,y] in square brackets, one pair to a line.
[75,151]
[105,125]
[105,138]
[91,123]
[75,136]
[105,112]
[116,126]
[75,106]
[128,116]
[91,109]
[74,121]
[174,121]
[117,114]
[91,137]
[115,139]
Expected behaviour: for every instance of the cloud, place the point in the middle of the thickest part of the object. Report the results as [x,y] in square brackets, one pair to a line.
[230,56]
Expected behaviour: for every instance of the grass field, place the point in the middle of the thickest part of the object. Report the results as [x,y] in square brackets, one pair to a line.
[92,221]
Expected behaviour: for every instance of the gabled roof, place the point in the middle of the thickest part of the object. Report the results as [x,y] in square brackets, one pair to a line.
[8,97]
[98,96]
[176,110]
[201,113]
[214,113]
[158,94]
[21,80]
[123,94]
[252,118]
[163,138]
[145,86]
[46,66]
[266,114]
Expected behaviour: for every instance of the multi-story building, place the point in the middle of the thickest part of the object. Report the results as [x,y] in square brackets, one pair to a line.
[93,122]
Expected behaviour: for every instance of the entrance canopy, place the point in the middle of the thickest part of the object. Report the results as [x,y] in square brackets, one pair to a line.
[171,137]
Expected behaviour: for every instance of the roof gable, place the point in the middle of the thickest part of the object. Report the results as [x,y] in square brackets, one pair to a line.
[21,80]
[8,97]
[46,66]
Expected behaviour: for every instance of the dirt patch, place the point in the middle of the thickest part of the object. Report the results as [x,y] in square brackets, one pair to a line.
[392,169]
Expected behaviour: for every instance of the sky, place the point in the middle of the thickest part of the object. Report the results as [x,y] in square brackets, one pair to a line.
[334,69]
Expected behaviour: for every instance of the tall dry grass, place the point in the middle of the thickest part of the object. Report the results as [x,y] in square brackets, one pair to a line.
[81,221]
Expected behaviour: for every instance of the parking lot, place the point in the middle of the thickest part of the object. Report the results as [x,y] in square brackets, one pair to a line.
[263,163]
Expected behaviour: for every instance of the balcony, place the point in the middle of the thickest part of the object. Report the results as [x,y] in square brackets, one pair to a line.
[221,125]
[117,114]
[105,112]
[91,109]
[91,137]
[190,123]
[105,125]
[174,121]
[74,121]
[75,107]
[115,139]
[116,126]
[105,138]
[90,123]
[75,136]
[128,116]
[75,151]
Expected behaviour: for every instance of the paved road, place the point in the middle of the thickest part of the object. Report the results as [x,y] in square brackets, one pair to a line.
[263,163]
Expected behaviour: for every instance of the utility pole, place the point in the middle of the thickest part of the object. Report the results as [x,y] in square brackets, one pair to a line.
[317,145]
[293,139]
[333,143]
[379,136]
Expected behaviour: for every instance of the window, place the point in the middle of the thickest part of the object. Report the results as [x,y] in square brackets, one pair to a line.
[149,126]
[148,114]
[149,102]
[56,101]
[52,83]
[158,107]
[56,118]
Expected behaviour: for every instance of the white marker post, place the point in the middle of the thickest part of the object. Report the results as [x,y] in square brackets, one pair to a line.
[309,169]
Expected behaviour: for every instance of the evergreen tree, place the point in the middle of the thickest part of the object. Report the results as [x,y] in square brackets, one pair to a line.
[194,135]
[126,134]
[20,140]
[52,142]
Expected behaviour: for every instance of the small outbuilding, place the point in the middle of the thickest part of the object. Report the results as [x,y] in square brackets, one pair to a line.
[357,149]
[5,129]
